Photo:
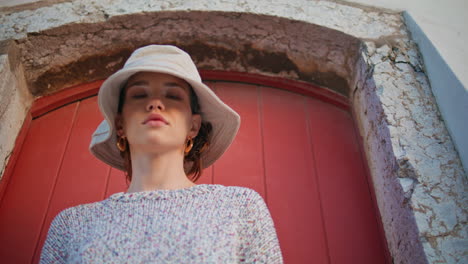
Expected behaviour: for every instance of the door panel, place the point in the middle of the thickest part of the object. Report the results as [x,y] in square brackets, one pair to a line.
[242,164]
[350,222]
[27,196]
[81,176]
[291,181]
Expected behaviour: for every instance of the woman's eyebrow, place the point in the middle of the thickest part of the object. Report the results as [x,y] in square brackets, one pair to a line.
[175,84]
[136,83]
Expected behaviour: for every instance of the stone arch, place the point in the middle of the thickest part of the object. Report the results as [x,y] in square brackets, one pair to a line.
[268,45]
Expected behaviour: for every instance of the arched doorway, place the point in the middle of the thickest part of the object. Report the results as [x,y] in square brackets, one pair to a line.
[297,146]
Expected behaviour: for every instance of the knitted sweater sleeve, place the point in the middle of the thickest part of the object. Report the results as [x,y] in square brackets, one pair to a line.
[55,246]
[259,241]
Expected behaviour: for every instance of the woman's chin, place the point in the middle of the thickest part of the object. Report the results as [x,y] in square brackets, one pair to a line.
[154,145]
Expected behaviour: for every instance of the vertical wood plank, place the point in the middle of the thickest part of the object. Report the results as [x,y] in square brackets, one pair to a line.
[242,163]
[350,221]
[25,203]
[291,186]
[82,178]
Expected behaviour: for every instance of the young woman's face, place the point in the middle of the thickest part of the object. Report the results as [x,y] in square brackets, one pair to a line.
[156,114]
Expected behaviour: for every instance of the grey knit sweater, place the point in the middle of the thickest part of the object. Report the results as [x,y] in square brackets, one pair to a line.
[206,223]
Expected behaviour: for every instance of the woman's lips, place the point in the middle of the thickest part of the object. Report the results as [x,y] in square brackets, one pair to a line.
[155,120]
[155,123]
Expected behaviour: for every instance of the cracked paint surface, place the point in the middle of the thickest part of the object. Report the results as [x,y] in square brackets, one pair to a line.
[426,170]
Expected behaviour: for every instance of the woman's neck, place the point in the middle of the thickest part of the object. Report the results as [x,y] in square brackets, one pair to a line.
[164,171]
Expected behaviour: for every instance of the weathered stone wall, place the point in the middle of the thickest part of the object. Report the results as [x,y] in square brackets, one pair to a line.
[361,52]
[428,167]
[76,53]
[414,164]
[15,100]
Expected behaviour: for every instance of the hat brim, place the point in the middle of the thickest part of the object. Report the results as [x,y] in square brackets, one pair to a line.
[224,120]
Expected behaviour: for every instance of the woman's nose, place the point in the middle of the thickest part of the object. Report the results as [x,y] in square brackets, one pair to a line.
[154,104]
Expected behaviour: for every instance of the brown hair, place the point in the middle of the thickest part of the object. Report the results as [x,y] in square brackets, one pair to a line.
[193,164]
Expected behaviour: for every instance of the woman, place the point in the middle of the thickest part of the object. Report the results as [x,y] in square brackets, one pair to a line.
[162,127]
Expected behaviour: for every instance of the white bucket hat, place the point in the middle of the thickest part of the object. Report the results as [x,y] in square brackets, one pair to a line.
[174,61]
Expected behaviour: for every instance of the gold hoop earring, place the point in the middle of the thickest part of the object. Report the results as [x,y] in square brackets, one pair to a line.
[122,144]
[188,146]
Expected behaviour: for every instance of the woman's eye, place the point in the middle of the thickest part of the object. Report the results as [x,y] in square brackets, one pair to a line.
[139,96]
[174,96]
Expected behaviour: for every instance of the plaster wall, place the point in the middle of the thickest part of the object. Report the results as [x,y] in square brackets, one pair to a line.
[450,93]
[363,53]
[438,28]
[444,24]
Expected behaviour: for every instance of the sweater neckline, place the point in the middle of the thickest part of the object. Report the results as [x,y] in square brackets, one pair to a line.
[164,194]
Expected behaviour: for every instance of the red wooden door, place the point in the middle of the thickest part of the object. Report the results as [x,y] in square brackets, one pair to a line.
[300,153]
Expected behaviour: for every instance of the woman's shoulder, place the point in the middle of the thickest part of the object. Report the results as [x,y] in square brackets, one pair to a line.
[77,212]
[249,203]
[243,195]
[233,190]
